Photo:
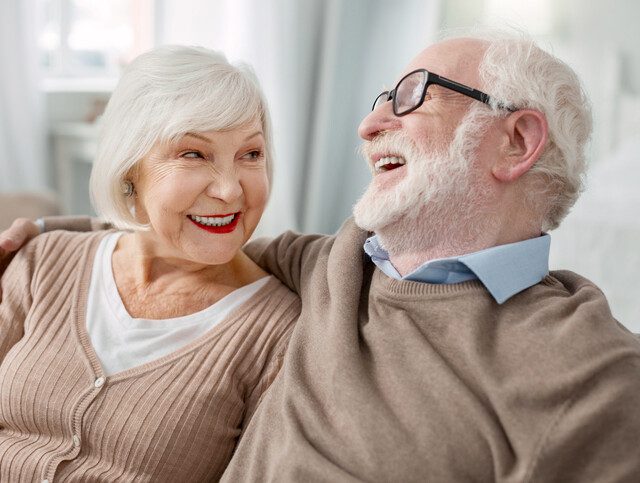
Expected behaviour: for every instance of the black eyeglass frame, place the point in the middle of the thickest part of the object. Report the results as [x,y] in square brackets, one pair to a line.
[435,79]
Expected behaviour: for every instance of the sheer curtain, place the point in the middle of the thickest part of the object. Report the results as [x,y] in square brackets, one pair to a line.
[22,134]
[321,64]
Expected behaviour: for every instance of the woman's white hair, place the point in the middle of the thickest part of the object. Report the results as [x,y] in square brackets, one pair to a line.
[515,71]
[162,95]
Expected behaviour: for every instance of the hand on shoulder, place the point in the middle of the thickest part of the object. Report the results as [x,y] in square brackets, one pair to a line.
[15,237]
[20,232]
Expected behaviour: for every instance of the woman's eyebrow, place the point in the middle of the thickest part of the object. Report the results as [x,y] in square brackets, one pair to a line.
[255,134]
[199,136]
[208,140]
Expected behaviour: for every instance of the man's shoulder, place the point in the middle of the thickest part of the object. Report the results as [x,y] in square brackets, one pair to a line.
[583,299]
[572,303]
[564,287]
[257,246]
[564,327]
[347,236]
[573,282]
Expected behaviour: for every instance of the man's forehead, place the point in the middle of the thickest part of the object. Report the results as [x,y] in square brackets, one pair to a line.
[457,59]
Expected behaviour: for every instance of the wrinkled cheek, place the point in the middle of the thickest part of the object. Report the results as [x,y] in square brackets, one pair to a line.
[256,198]
[256,192]
[164,204]
[261,203]
[175,193]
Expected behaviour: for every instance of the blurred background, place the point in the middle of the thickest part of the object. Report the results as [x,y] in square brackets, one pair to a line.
[321,63]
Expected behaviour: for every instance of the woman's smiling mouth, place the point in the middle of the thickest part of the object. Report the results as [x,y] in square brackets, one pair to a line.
[216,223]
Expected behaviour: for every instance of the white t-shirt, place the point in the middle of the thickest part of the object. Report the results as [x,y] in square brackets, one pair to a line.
[121,341]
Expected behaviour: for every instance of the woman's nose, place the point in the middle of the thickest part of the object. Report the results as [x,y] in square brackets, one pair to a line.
[225,187]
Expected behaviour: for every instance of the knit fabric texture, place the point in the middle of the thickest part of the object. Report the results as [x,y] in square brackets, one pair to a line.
[390,380]
[177,418]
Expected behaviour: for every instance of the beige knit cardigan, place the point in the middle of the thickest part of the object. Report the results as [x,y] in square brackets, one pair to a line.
[177,418]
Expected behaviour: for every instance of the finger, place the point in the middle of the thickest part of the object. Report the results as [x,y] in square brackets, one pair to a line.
[5,258]
[7,245]
[20,231]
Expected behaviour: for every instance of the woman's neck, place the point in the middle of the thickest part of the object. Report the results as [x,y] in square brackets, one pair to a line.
[155,285]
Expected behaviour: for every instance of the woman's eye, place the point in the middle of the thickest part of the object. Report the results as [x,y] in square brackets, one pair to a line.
[253,155]
[191,154]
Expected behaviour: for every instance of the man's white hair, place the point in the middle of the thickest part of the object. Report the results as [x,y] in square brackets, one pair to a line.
[515,71]
[162,95]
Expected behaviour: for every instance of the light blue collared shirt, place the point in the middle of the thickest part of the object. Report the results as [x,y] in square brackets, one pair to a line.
[504,270]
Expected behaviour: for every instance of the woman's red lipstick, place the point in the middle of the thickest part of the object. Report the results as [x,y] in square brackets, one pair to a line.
[219,229]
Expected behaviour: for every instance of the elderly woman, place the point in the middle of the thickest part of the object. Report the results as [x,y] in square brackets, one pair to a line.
[142,354]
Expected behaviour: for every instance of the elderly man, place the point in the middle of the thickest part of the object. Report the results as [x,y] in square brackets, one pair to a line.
[446,350]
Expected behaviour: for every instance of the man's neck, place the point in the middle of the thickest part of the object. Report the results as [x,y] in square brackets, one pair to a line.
[407,259]
[409,247]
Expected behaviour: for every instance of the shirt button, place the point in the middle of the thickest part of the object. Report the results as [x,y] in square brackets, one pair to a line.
[99,382]
[76,440]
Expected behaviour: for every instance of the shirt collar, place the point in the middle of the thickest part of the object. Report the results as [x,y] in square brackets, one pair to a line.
[504,270]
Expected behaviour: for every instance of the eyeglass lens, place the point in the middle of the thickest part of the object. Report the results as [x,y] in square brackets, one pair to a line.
[409,92]
[381,99]
[407,95]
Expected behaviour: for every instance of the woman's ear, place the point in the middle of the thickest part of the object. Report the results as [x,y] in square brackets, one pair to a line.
[526,133]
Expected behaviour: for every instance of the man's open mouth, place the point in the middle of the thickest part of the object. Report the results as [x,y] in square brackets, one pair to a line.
[388,163]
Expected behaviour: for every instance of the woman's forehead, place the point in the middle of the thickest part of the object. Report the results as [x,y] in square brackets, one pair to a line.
[209,135]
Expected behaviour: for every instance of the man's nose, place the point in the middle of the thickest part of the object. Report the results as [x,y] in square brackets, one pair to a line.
[379,120]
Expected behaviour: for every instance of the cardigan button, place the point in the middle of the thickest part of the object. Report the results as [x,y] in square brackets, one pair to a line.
[76,440]
[99,382]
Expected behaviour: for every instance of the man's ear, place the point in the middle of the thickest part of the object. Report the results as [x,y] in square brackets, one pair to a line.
[525,136]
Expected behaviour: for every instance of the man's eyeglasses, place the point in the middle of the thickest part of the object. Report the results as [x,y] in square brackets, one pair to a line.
[411,91]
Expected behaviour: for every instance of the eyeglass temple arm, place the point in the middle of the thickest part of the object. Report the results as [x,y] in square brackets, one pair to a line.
[461,88]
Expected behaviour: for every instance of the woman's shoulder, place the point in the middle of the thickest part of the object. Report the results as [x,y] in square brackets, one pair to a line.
[276,288]
[63,246]
[59,239]
[276,299]
[47,256]
[273,310]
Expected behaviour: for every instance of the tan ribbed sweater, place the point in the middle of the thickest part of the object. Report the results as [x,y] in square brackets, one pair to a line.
[175,419]
[388,380]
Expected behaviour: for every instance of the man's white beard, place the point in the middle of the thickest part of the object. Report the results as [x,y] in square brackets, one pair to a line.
[435,199]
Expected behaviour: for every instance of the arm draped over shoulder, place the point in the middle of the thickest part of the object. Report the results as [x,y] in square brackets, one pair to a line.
[16,284]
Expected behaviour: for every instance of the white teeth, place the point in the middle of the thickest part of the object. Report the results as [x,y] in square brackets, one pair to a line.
[213,220]
[388,160]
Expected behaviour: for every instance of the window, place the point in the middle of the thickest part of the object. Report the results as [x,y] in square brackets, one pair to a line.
[92,39]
